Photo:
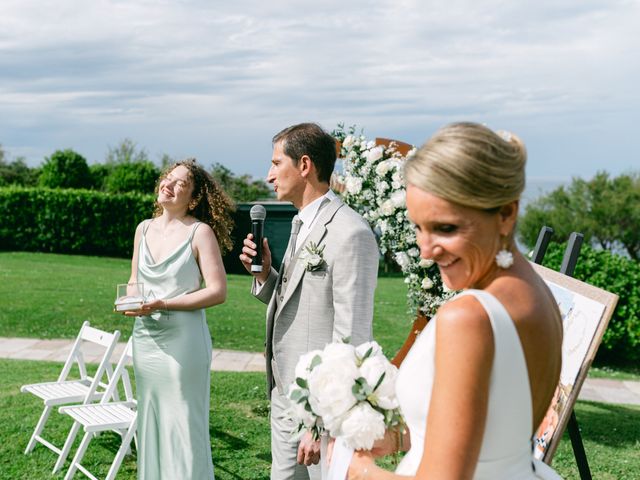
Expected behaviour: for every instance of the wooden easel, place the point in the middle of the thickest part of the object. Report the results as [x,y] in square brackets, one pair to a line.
[569,261]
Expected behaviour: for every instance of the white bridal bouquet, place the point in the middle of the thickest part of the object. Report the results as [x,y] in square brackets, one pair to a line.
[347,390]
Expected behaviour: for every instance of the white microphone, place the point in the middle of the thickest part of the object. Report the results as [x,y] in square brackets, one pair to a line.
[257,213]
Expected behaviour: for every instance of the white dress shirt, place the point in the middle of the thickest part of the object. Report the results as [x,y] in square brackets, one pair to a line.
[309,215]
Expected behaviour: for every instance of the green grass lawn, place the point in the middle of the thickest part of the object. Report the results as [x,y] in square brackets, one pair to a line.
[50,295]
[240,431]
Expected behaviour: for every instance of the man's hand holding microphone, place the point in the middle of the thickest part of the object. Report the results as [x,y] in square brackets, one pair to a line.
[256,256]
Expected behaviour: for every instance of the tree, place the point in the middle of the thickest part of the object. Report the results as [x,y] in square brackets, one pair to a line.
[132,177]
[16,172]
[127,169]
[240,188]
[126,152]
[606,210]
[65,169]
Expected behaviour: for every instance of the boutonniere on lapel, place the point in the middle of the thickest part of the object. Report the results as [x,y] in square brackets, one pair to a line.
[313,258]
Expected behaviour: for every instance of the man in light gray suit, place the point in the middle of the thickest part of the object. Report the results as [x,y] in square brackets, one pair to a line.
[310,306]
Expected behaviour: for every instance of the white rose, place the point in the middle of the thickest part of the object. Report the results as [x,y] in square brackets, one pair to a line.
[374,154]
[372,369]
[362,426]
[396,185]
[304,362]
[425,262]
[354,185]
[427,283]
[371,144]
[381,187]
[402,259]
[330,387]
[382,168]
[399,198]
[348,141]
[387,208]
[413,252]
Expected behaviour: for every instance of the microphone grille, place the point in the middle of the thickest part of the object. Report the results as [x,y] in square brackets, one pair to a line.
[258,212]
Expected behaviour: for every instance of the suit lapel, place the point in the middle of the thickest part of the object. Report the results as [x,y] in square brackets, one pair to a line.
[295,270]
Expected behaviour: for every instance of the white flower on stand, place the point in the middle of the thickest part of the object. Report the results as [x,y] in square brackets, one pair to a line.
[427,283]
[354,185]
[387,208]
[383,168]
[374,187]
[403,260]
[399,198]
[425,263]
[348,141]
[374,154]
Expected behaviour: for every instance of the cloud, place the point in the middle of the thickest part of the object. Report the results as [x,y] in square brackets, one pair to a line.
[219,78]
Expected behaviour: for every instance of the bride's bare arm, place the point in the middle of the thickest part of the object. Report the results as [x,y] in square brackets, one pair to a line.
[460,396]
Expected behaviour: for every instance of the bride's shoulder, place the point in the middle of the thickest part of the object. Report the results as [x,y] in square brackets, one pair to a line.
[463,315]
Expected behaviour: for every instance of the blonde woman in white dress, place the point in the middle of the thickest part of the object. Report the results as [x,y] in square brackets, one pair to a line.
[478,380]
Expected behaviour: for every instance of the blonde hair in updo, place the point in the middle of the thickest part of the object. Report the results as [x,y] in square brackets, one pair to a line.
[471,165]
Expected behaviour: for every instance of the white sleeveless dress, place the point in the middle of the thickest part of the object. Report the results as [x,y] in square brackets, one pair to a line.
[506,451]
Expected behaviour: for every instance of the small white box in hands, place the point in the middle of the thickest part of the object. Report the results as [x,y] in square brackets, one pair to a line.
[129,296]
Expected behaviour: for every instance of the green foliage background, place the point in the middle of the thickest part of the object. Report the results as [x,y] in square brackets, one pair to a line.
[71,221]
[605,210]
[619,275]
[65,169]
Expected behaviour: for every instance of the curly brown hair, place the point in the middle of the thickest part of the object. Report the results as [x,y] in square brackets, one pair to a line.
[209,202]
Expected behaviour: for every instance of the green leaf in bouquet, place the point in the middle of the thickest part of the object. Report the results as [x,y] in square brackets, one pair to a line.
[379,381]
[302,383]
[317,360]
[367,354]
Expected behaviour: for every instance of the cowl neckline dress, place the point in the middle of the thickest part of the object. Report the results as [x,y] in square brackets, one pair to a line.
[172,361]
[506,451]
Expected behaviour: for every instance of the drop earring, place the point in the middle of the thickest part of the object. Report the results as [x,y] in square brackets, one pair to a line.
[504,258]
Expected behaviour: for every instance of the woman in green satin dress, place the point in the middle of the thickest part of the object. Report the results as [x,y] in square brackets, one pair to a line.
[178,257]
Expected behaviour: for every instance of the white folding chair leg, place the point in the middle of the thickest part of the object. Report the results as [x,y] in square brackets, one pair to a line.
[126,441]
[67,447]
[78,456]
[38,430]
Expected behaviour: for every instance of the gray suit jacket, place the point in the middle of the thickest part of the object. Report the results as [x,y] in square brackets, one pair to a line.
[319,307]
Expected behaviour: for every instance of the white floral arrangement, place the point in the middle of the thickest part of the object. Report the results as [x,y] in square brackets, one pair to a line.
[375,188]
[347,390]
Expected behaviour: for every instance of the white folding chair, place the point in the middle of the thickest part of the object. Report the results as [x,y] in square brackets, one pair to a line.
[65,391]
[120,417]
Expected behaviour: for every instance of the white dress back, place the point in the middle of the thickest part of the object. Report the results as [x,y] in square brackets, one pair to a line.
[506,451]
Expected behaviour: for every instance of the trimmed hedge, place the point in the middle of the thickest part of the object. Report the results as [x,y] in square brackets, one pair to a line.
[619,275]
[71,221]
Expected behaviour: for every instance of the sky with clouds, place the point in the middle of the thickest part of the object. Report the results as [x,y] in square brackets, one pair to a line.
[216,80]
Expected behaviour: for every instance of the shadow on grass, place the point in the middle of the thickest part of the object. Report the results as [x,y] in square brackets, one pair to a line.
[609,425]
[233,442]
